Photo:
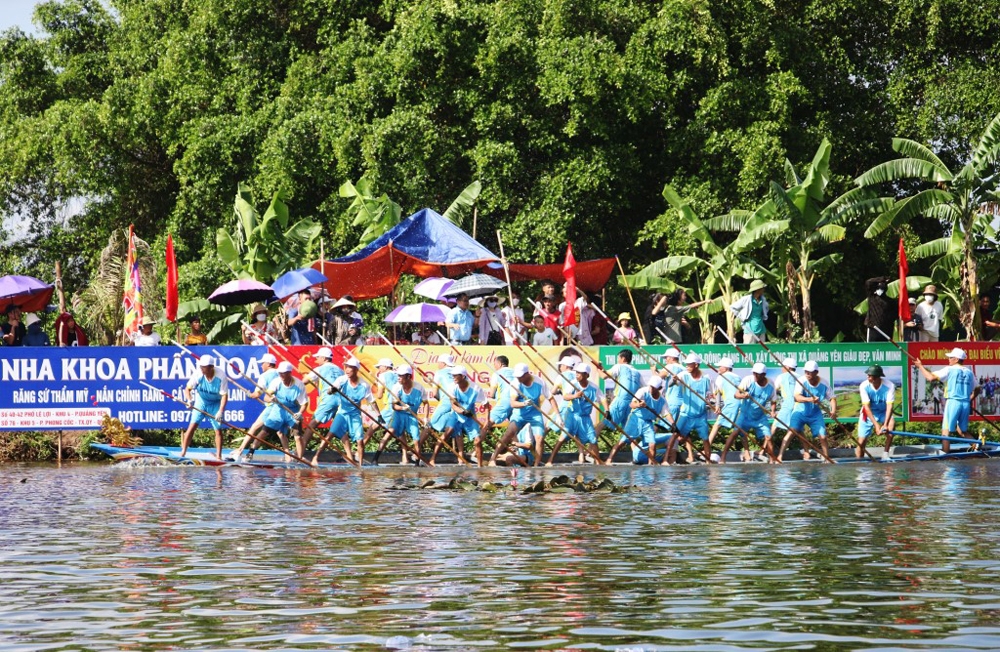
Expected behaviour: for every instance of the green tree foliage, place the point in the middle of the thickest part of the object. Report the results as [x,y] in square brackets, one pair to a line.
[955,200]
[572,115]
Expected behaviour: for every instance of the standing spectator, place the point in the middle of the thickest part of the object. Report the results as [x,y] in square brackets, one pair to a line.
[548,290]
[514,325]
[35,336]
[882,311]
[302,320]
[147,336]
[426,335]
[13,331]
[751,310]
[669,316]
[544,336]
[260,331]
[491,322]
[549,312]
[624,332]
[931,312]
[912,328]
[68,332]
[460,321]
[989,328]
[196,337]
[585,319]
[339,321]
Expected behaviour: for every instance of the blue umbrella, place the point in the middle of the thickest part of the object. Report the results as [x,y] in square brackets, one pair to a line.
[297,280]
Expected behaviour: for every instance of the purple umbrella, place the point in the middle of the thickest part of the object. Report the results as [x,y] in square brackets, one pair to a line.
[26,292]
[241,292]
[433,288]
[416,313]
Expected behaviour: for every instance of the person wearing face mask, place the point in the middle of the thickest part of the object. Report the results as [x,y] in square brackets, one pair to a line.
[882,311]
[931,312]
[340,321]
[259,330]
[491,322]
[514,325]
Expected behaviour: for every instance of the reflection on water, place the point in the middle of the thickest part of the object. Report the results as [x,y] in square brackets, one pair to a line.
[742,557]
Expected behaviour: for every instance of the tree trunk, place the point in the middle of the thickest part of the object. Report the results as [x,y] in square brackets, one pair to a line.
[795,317]
[805,284]
[969,288]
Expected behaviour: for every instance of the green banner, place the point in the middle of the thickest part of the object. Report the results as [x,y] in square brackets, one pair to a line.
[841,365]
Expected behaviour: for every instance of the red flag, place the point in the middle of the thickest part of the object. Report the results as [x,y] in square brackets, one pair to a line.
[171,280]
[904,294]
[569,273]
[132,299]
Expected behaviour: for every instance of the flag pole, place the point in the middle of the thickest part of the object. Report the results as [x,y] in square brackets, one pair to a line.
[635,311]
[516,328]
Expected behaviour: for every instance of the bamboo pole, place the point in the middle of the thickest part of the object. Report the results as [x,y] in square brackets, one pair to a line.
[635,311]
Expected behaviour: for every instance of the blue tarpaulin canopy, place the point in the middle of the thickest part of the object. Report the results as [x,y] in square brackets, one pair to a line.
[424,244]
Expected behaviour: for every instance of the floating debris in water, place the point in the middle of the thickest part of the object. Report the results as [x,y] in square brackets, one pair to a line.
[561,484]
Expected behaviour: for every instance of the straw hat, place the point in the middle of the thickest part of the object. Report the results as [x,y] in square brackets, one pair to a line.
[931,289]
[344,301]
[757,285]
[258,307]
[624,317]
[148,321]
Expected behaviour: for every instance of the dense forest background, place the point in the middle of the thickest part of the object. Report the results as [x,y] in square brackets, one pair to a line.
[572,115]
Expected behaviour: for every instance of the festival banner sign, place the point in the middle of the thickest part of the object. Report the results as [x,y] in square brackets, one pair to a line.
[841,365]
[72,388]
[927,399]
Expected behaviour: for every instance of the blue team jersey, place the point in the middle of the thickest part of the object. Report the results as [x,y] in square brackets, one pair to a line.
[727,384]
[325,376]
[629,382]
[209,391]
[673,387]
[959,382]
[812,410]
[503,378]
[877,399]
[654,406]
[580,406]
[692,397]
[446,385]
[354,395]
[533,394]
[267,378]
[751,410]
[786,385]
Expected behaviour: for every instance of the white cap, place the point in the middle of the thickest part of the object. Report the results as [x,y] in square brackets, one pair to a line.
[325,352]
[404,370]
[789,363]
[447,359]
[655,381]
[956,353]
[693,358]
[570,361]
[385,362]
[459,371]
[726,362]
[269,358]
[582,368]
[352,362]
[521,369]
[760,368]
[31,318]
[672,352]
[811,366]
[206,361]
[285,367]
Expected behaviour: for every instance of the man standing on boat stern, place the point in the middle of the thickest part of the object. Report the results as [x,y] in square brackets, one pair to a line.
[961,387]
[751,310]
[210,394]
[877,397]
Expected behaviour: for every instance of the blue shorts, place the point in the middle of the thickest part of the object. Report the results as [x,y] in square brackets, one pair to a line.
[581,427]
[212,408]
[638,431]
[404,423]
[348,424]
[866,427]
[730,413]
[536,422]
[618,414]
[956,416]
[277,419]
[500,413]
[761,427]
[817,425]
[639,456]
[441,416]
[674,410]
[327,409]
[784,418]
[690,425]
[464,425]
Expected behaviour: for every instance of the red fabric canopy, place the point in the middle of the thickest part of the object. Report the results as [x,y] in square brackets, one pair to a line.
[591,275]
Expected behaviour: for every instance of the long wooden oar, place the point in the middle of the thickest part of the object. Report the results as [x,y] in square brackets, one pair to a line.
[961,440]
[802,438]
[225,423]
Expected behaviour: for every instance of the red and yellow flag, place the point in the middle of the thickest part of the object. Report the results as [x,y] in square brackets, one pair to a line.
[132,299]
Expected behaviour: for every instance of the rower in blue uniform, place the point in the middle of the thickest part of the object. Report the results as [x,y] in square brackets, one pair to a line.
[810,393]
[648,409]
[695,387]
[210,393]
[578,414]
[961,387]
[348,425]
[756,396]
[877,397]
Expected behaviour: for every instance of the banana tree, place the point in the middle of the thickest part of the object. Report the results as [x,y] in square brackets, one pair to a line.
[377,213]
[958,201]
[797,224]
[263,248]
[714,274]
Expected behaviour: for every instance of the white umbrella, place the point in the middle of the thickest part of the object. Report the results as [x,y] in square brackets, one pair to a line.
[416,313]
[433,288]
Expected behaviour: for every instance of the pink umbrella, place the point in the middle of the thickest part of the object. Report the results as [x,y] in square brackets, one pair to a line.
[241,292]
[433,288]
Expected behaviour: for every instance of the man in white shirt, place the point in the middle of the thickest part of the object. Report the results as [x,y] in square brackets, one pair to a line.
[147,336]
[931,312]
[514,324]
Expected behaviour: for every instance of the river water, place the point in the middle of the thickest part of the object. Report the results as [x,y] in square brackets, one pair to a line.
[804,556]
